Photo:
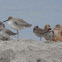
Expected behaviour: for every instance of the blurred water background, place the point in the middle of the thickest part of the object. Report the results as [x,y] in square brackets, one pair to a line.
[35,12]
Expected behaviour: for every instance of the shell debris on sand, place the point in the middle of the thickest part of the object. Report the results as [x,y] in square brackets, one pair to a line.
[6,55]
[27,50]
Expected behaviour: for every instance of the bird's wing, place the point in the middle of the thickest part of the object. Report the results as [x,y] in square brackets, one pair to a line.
[41,31]
[20,23]
[10,32]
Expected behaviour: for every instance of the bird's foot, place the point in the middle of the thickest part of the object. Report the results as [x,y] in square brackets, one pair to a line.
[48,41]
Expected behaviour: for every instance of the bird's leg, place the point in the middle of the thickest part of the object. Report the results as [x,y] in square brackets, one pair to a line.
[40,38]
[17,34]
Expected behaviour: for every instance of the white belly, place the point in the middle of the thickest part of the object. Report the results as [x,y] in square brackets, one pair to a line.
[13,26]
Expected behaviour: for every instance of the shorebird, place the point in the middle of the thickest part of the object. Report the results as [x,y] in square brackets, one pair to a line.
[49,34]
[58,32]
[6,34]
[40,32]
[17,23]
[58,26]
[2,25]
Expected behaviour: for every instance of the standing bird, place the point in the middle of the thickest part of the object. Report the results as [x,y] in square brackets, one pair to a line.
[17,23]
[49,34]
[58,32]
[40,32]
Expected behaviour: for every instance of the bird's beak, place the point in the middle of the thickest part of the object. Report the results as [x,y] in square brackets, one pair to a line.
[52,30]
[49,28]
[5,21]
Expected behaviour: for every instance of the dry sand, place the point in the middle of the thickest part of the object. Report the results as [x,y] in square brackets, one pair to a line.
[28,50]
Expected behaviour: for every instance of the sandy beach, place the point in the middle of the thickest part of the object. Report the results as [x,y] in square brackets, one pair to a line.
[28,50]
